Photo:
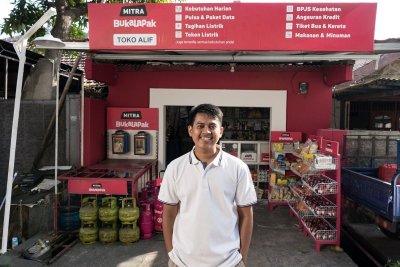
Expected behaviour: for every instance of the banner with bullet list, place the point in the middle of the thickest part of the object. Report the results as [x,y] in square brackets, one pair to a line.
[233,26]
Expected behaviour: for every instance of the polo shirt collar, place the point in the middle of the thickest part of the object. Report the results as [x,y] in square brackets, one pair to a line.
[194,160]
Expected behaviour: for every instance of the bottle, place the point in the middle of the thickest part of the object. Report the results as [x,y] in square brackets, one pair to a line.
[14,242]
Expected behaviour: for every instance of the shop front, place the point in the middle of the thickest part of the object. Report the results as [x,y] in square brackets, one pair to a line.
[275,78]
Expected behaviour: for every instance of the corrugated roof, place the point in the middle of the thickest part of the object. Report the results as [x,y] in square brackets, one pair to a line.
[382,83]
[7,51]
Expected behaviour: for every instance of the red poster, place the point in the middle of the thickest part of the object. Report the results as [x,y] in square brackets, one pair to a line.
[97,186]
[132,118]
[264,157]
[330,147]
[233,26]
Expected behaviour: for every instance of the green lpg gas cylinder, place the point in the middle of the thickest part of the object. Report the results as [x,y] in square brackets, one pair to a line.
[129,212]
[88,211]
[108,233]
[108,212]
[88,233]
[129,233]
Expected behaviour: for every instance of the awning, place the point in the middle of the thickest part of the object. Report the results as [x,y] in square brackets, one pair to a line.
[228,56]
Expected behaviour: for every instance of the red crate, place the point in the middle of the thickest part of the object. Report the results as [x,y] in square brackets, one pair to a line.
[387,171]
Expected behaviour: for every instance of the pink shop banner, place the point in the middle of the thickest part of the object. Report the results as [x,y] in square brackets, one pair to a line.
[233,26]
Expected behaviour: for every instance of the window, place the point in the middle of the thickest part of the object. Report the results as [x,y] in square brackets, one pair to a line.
[382,121]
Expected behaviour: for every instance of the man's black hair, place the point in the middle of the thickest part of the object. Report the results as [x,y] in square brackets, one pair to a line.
[209,109]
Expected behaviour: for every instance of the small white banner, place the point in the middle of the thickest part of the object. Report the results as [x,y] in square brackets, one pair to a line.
[249,156]
[135,39]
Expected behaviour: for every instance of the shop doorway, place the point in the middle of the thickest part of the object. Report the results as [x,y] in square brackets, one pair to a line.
[240,124]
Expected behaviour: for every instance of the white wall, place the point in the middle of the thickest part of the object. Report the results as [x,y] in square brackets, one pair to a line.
[276,100]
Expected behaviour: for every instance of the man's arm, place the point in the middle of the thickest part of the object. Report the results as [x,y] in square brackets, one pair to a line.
[245,230]
[169,215]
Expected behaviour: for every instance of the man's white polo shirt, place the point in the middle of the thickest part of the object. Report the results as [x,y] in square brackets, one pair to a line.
[206,229]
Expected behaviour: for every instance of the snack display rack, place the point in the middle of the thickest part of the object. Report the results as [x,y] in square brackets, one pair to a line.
[317,205]
[320,230]
[320,184]
[278,192]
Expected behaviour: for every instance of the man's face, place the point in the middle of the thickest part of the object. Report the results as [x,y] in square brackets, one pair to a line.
[205,131]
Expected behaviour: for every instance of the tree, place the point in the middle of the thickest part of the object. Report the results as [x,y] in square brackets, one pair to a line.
[69,23]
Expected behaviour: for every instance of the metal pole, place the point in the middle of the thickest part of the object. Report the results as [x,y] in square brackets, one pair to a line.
[6,80]
[50,127]
[14,131]
[58,102]
[20,218]
[4,199]
[57,77]
[82,119]
[20,49]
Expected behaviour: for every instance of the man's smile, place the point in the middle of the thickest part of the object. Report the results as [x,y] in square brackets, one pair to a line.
[205,138]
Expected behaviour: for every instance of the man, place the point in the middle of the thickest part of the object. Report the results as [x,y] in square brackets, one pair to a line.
[208,196]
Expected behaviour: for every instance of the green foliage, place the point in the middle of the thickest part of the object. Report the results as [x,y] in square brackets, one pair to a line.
[391,263]
[76,32]
[24,14]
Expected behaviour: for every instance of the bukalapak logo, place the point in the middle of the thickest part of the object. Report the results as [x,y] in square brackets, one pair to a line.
[132,11]
[97,188]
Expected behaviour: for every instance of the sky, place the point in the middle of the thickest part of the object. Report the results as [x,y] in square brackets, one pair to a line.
[386,26]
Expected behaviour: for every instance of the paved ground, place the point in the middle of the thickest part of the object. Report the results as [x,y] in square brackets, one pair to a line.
[276,242]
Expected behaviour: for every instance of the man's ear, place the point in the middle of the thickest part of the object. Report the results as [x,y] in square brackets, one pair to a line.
[190,128]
